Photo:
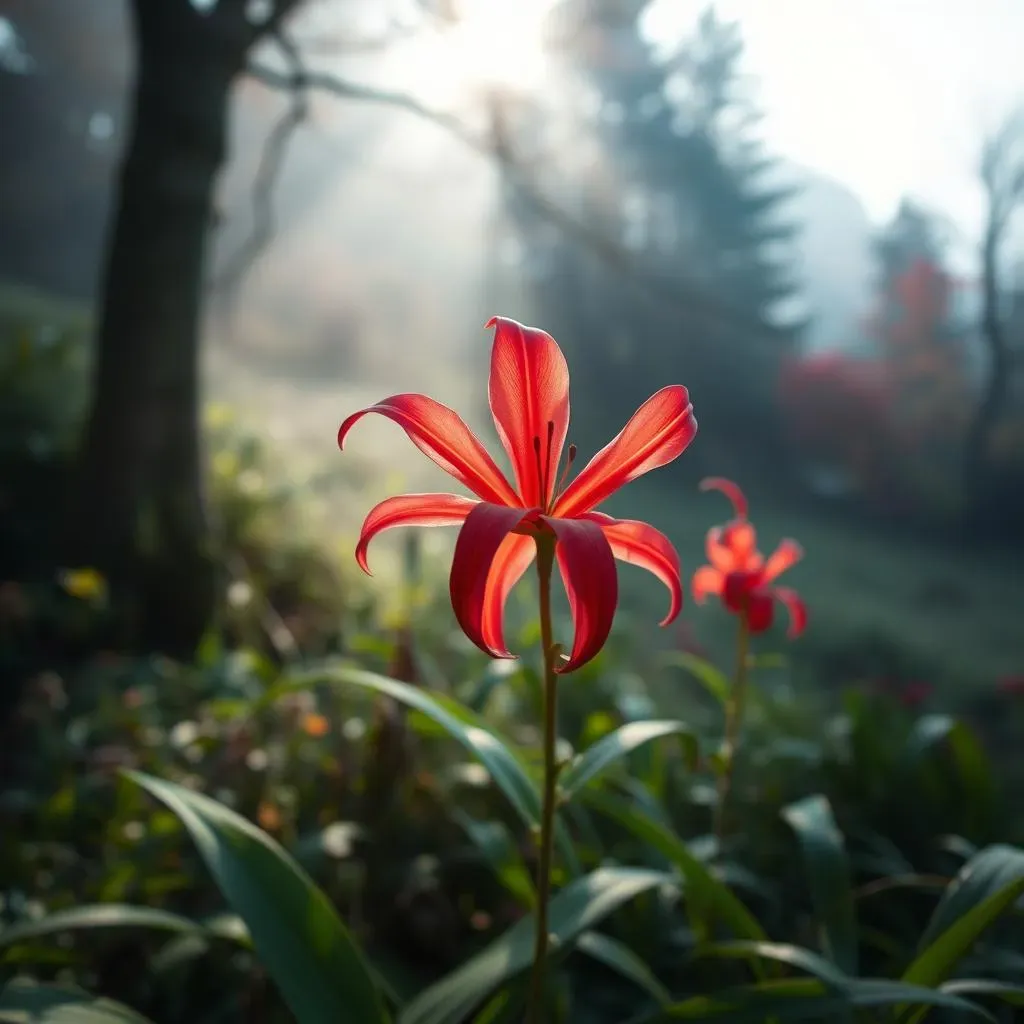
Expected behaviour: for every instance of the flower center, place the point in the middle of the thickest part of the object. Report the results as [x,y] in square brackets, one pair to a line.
[545,469]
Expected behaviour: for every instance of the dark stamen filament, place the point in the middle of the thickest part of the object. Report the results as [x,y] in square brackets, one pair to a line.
[540,465]
[546,474]
[545,469]
[565,472]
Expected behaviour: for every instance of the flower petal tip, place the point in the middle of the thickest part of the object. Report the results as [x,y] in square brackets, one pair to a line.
[731,490]
[671,617]
[344,429]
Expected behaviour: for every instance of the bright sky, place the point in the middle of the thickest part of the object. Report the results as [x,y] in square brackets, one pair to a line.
[887,96]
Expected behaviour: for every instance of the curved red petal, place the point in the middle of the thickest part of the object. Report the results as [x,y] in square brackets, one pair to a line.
[658,432]
[643,545]
[529,396]
[514,556]
[707,580]
[443,436]
[794,604]
[719,554]
[759,610]
[587,567]
[784,557]
[730,490]
[411,510]
[740,538]
[476,549]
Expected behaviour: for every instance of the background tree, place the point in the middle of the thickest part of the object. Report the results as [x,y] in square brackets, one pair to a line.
[1002,176]
[138,513]
[670,168]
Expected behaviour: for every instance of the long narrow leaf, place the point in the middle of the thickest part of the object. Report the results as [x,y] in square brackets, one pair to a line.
[621,959]
[828,874]
[714,681]
[25,1002]
[620,744]
[985,887]
[463,726]
[578,907]
[780,953]
[968,758]
[808,999]
[297,934]
[99,915]
[706,896]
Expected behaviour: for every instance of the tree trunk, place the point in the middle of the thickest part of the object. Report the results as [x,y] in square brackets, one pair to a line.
[976,473]
[140,514]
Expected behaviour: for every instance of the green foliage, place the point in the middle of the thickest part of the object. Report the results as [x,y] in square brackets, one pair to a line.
[42,395]
[687,932]
[345,813]
[24,1002]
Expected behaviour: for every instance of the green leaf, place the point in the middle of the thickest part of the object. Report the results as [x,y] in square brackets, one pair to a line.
[1012,994]
[100,915]
[578,907]
[463,726]
[505,1007]
[297,935]
[785,999]
[870,992]
[24,1002]
[493,840]
[780,953]
[984,888]
[809,999]
[621,959]
[973,769]
[715,682]
[498,673]
[617,745]
[706,896]
[828,876]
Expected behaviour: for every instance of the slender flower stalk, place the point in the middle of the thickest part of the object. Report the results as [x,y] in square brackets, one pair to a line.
[733,722]
[545,565]
[540,513]
[744,580]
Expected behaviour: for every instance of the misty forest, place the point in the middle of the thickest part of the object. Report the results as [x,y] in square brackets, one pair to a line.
[704,701]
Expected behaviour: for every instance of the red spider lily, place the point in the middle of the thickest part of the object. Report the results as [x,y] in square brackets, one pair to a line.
[529,399]
[740,575]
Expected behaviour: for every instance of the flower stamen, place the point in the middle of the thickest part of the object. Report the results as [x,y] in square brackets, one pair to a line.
[564,478]
[544,466]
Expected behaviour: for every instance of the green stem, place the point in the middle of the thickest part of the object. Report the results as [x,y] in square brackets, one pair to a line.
[545,564]
[733,718]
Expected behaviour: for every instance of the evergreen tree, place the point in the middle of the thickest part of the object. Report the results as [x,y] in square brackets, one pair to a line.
[669,169]
[740,213]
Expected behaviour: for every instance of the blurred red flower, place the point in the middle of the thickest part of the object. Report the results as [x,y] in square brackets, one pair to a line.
[529,399]
[1012,686]
[914,694]
[740,575]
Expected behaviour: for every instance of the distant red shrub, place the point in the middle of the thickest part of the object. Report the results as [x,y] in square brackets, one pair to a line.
[892,420]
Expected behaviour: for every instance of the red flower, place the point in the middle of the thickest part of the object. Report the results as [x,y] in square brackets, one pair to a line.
[1012,686]
[914,694]
[529,398]
[740,575]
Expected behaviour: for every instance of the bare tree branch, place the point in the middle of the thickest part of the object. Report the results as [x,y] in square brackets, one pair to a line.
[1002,175]
[272,159]
[670,290]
